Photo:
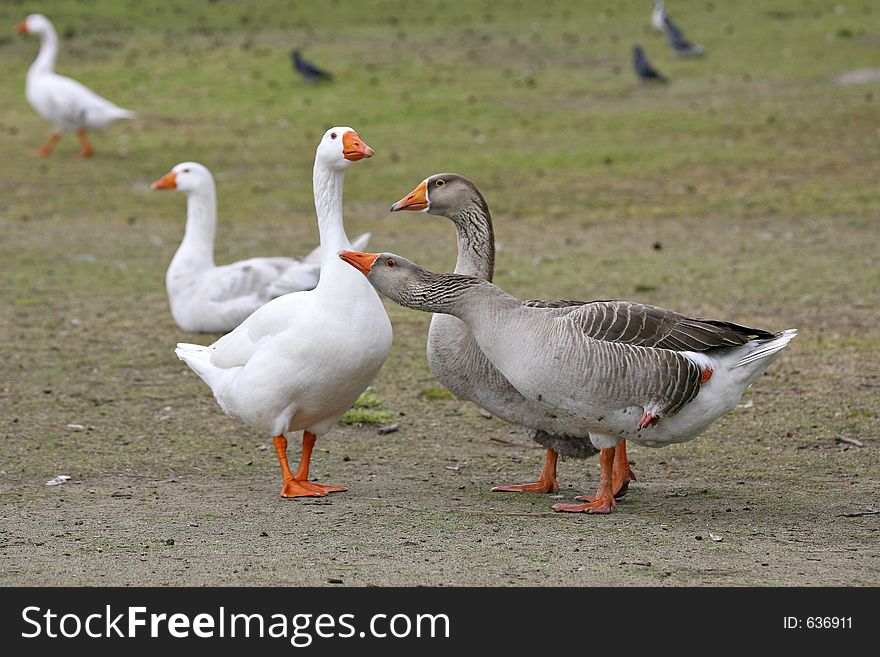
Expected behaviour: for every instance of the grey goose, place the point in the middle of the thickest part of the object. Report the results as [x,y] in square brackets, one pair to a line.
[613,391]
[457,362]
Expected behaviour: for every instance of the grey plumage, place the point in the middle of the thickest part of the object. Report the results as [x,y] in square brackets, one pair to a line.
[453,354]
[307,70]
[459,364]
[678,41]
[643,67]
[650,326]
[552,360]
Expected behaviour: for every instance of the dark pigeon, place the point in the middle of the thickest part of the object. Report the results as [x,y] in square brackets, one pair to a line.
[643,67]
[678,41]
[309,71]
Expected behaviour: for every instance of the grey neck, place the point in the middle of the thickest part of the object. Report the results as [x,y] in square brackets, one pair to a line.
[476,241]
[45,61]
[465,297]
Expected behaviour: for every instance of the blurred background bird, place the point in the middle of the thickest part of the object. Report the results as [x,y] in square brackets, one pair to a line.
[309,71]
[678,41]
[658,16]
[643,67]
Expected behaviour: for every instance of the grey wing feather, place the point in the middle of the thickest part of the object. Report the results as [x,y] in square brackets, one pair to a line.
[649,326]
[682,382]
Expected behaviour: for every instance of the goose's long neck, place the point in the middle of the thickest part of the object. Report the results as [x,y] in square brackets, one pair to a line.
[471,299]
[476,241]
[201,225]
[328,183]
[45,61]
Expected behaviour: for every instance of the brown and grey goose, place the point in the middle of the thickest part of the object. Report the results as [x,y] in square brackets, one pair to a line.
[612,391]
[459,364]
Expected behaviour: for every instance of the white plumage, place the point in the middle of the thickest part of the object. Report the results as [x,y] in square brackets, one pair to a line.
[205,298]
[658,16]
[64,102]
[301,360]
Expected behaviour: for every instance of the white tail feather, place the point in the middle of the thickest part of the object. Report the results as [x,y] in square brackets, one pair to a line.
[765,349]
[198,358]
[187,348]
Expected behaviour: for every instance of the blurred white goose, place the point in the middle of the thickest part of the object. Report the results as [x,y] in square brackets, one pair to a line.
[658,16]
[67,104]
[206,298]
[301,360]
[615,391]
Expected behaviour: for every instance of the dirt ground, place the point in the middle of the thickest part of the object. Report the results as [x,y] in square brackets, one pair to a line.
[746,190]
[166,490]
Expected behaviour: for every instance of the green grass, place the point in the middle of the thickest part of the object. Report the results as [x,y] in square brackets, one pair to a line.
[367,412]
[434,394]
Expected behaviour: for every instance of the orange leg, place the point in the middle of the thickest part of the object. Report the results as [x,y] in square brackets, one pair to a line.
[604,501]
[546,482]
[623,474]
[86,146]
[46,149]
[297,484]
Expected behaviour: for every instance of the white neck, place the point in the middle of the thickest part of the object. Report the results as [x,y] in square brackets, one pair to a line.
[201,225]
[45,61]
[328,183]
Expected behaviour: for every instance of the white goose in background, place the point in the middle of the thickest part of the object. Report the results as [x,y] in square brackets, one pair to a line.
[658,16]
[67,104]
[301,360]
[205,298]
[615,391]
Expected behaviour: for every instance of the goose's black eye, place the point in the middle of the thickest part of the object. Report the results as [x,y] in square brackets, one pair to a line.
[332,135]
[439,183]
[186,171]
[390,263]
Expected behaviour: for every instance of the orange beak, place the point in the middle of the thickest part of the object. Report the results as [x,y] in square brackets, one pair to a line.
[22,28]
[168,181]
[416,200]
[360,261]
[354,148]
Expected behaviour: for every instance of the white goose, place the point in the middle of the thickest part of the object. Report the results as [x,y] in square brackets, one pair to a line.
[301,360]
[658,16]
[205,298]
[67,104]
[615,391]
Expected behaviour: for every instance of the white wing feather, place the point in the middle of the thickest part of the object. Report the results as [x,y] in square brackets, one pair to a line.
[73,105]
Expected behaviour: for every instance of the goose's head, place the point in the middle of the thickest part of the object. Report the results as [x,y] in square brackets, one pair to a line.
[340,147]
[34,24]
[186,177]
[391,274]
[443,194]
[408,284]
